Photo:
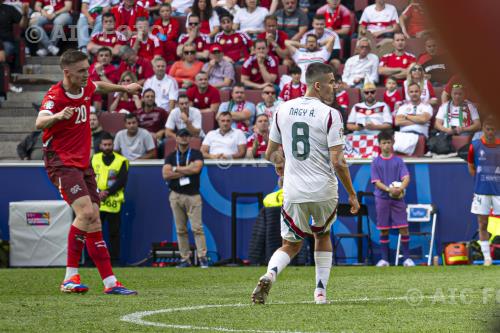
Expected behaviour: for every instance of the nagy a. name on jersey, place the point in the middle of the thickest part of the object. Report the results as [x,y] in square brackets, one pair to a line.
[301,112]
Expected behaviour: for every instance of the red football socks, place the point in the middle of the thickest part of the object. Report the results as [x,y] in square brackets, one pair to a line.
[98,251]
[76,241]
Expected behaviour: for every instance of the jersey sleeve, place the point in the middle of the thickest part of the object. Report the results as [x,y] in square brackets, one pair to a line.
[386,115]
[374,172]
[470,155]
[403,170]
[48,105]
[275,133]
[334,129]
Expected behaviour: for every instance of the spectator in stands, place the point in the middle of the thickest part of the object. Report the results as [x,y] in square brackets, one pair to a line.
[183,116]
[362,66]
[109,37]
[51,12]
[337,17]
[184,71]
[370,116]
[10,16]
[91,18]
[242,112]
[414,116]
[111,170]
[103,70]
[294,88]
[275,38]
[182,171]
[398,62]
[261,68]
[181,7]
[292,20]
[31,147]
[164,86]
[392,97]
[341,97]
[144,43]
[234,44]
[141,68]
[257,142]
[416,75]
[324,36]
[225,142]
[412,20]
[250,19]
[126,14]
[270,5]
[209,20]
[133,142]
[457,116]
[220,71]
[122,101]
[97,132]
[269,103]
[202,95]
[230,6]
[312,52]
[166,29]
[151,117]
[435,63]
[193,36]
[380,20]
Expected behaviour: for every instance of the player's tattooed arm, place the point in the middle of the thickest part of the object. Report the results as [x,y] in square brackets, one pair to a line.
[45,120]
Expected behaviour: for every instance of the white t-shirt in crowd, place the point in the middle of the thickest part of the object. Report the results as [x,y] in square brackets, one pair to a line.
[375,20]
[226,144]
[454,118]
[133,147]
[182,5]
[377,114]
[251,21]
[304,58]
[410,109]
[175,122]
[166,90]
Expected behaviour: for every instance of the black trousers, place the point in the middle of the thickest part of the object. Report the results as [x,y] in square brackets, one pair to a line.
[113,221]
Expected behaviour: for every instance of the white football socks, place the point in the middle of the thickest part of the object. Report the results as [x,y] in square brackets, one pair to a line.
[110,281]
[70,272]
[277,263]
[485,248]
[323,262]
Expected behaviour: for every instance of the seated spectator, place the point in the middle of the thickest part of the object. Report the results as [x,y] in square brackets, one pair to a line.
[275,38]
[122,101]
[126,14]
[151,117]
[415,115]
[97,132]
[133,142]
[397,63]
[337,17]
[167,29]
[193,36]
[370,116]
[220,71]
[324,36]
[91,15]
[257,142]
[250,19]
[292,20]
[231,6]
[31,147]
[141,68]
[435,63]
[392,97]
[109,37]
[416,75]
[181,7]
[144,43]
[379,20]
[457,116]
[225,142]
[259,69]
[183,116]
[412,20]
[152,7]
[270,5]
[209,20]
[235,45]
[184,71]
[165,87]
[202,95]
[341,96]
[294,88]
[102,70]
[270,104]
[55,12]
[242,112]
[362,66]
[10,16]
[312,52]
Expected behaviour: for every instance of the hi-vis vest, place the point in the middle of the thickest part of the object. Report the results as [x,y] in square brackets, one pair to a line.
[274,199]
[105,177]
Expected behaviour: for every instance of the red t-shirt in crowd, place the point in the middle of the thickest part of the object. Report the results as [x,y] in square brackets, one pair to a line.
[261,149]
[251,68]
[202,42]
[154,120]
[280,39]
[342,99]
[142,68]
[124,17]
[57,4]
[393,60]
[148,49]
[203,101]
[171,30]
[109,39]
[234,46]
[340,17]
[392,98]
[110,71]
[292,91]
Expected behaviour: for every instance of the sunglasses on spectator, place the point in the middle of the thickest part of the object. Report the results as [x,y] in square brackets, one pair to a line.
[370,92]
[414,69]
[269,92]
[127,80]
[189,52]
[194,24]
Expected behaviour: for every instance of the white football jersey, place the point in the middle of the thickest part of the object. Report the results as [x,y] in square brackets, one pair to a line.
[307,128]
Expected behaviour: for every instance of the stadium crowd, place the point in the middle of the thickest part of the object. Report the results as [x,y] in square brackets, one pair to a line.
[222,67]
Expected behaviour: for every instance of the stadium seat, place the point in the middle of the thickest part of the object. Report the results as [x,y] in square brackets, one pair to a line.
[182,24]
[237,73]
[195,143]
[458,141]
[170,145]
[112,122]
[399,4]
[254,96]
[353,46]
[225,95]
[420,148]
[282,70]
[438,91]
[360,5]
[207,121]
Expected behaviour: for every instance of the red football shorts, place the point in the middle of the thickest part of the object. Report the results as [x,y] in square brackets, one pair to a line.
[74,183]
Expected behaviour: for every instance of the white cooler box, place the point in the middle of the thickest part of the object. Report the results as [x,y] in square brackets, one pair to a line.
[39,232]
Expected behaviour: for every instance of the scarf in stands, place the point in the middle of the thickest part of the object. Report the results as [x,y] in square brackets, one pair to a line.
[239,107]
[464,108]
[287,90]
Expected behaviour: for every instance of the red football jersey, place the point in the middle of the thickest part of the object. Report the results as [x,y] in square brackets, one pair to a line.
[154,120]
[262,144]
[202,42]
[391,99]
[57,4]
[280,38]
[291,91]
[109,39]
[148,49]
[142,68]
[251,68]
[69,140]
[342,99]
[171,30]
[124,17]
[339,18]
[234,46]
[393,60]
[203,101]
[110,71]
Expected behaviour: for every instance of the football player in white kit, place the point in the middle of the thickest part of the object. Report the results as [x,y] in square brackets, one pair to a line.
[311,135]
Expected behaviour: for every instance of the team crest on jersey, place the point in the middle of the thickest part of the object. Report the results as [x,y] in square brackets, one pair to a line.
[222,41]
[235,40]
[206,100]
[48,105]
[405,61]
[254,71]
[200,45]
[196,100]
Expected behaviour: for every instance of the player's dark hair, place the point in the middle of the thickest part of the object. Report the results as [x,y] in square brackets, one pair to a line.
[271,17]
[182,96]
[105,49]
[295,70]
[260,40]
[385,135]
[316,71]
[108,14]
[166,4]
[226,15]
[141,19]
[130,116]
[337,77]
[71,57]
[319,17]
[106,136]
[224,113]
[391,78]
[148,90]
[312,35]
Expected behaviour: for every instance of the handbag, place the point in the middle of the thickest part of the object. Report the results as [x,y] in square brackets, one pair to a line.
[440,143]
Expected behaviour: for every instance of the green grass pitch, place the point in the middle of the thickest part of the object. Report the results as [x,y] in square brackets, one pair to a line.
[363,299]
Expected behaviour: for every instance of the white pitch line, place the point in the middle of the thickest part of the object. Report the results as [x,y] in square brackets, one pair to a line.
[137,317]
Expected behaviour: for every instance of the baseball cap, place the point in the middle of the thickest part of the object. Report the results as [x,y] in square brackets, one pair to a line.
[215,47]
